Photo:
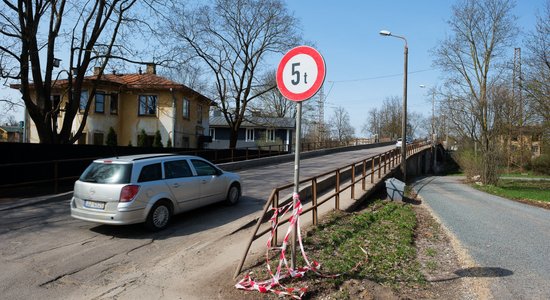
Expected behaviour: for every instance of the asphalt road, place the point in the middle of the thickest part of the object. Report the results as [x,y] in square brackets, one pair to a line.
[46,254]
[509,241]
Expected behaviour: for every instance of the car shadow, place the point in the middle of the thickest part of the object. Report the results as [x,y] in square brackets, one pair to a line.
[190,222]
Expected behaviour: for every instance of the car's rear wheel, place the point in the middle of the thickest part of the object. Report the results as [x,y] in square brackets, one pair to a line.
[159,216]
[233,195]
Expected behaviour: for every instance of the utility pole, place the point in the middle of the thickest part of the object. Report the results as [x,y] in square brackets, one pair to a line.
[517,96]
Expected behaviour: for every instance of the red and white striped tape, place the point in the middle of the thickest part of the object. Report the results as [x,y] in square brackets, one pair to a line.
[274,285]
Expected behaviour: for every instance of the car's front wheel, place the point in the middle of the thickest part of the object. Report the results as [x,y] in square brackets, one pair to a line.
[233,195]
[159,216]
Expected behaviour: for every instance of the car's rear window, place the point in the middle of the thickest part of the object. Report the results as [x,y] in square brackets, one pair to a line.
[107,173]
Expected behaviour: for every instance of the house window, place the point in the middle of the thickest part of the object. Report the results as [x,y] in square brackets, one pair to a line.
[98,138]
[213,133]
[250,134]
[199,114]
[113,108]
[270,135]
[83,100]
[147,105]
[535,149]
[185,108]
[99,102]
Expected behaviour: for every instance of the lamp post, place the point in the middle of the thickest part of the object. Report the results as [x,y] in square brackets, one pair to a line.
[434,150]
[404,119]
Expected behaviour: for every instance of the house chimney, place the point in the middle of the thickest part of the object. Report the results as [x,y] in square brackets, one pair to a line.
[151,68]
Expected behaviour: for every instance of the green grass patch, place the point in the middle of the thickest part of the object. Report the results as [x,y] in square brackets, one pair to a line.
[537,190]
[375,244]
[524,175]
[386,233]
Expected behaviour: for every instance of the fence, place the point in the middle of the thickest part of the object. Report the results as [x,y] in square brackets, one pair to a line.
[54,173]
[47,169]
[329,185]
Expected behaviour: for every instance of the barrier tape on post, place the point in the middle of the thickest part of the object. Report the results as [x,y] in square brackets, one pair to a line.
[273,285]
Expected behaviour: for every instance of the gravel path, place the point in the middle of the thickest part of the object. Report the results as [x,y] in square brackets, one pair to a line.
[509,241]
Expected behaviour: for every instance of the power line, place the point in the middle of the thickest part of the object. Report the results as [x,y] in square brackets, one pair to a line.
[377,77]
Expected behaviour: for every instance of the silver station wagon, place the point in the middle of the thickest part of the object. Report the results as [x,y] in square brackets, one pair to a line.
[149,189]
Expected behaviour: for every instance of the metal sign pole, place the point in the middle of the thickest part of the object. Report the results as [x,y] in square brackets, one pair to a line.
[300,74]
[296,178]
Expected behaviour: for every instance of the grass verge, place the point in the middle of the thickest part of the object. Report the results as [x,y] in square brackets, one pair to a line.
[532,190]
[524,175]
[375,245]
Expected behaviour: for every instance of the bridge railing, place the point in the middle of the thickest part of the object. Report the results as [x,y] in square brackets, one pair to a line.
[325,187]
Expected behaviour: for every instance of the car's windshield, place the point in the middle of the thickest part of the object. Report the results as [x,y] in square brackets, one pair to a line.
[107,173]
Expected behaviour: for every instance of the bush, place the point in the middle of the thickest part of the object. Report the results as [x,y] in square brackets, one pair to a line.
[541,164]
[142,139]
[111,137]
[469,163]
[157,142]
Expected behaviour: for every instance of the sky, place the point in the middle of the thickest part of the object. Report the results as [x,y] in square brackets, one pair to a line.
[362,67]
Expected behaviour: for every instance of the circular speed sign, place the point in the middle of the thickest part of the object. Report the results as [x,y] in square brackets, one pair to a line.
[301,73]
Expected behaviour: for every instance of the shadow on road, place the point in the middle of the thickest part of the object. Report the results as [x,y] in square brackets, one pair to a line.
[475,272]
[187,223]
[483,272]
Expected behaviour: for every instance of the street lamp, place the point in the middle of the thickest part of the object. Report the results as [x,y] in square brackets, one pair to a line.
[434,150]
[404,121]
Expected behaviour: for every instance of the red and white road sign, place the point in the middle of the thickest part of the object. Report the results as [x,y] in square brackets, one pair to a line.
[301,73]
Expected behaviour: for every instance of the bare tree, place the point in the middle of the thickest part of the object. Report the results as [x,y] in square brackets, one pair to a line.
[341,127]
[372,124]
[33,32]
[233,39]
[537,81]
[481,31]
[272,103]
[386,120]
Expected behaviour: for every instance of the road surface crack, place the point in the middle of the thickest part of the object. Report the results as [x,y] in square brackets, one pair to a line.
[45,284]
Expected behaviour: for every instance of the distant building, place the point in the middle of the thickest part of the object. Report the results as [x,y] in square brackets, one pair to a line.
[527,137]
[130,103]
[254,132]
[11,134]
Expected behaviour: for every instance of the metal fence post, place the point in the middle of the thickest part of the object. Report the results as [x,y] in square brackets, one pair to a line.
[275,206]
[337,197]
[364,173]
[379,166]
[353,181]
[372,170]
[314,200]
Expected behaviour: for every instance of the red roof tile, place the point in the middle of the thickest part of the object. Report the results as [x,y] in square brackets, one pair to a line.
[145,81]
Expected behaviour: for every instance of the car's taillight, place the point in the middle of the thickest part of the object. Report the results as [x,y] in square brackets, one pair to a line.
[128,193]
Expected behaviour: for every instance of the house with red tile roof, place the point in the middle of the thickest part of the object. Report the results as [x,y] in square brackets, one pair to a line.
[132,103]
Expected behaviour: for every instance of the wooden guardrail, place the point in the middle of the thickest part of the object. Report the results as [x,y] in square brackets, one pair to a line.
[370,166]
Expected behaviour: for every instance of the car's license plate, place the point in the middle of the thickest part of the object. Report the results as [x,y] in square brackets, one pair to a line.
[94,204]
